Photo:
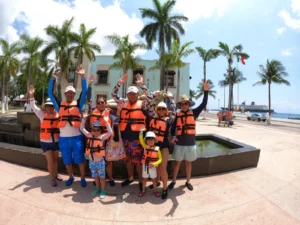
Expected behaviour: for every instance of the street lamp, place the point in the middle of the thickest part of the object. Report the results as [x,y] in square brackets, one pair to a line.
[218,104]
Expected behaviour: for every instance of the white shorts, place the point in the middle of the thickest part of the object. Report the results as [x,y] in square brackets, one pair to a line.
[152,172]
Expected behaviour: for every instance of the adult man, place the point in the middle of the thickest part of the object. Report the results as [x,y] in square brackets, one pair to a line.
[132,119]
[184,139]
[71,141]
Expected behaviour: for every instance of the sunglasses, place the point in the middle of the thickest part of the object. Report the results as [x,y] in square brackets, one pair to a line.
[150,138]
[161,109]
[184,103]
[96,130]
[100,103]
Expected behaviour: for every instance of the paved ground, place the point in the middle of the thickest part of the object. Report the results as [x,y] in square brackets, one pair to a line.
[268,194]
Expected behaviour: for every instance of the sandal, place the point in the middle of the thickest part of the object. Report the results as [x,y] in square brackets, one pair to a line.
[126,183]
[156,194]
[95,191]
[59,178]
[53,183]
[142,193]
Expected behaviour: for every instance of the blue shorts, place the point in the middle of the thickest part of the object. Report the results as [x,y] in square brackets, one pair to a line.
[97,168]
[72,146]
[49,146]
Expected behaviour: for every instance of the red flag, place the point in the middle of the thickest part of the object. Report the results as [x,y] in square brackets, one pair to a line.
[243,60]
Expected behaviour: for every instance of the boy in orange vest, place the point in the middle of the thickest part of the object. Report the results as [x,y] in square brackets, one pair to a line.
[96,151]
[151,159]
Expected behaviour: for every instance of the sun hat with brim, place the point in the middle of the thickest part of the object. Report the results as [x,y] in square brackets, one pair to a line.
[184,98]
[150,134]
[162,105]
[47,103]
[132,89]
[70,88]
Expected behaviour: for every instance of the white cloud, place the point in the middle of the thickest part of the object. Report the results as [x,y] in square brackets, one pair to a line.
[39,14]
[286,52]
[280,30]
[195,9]
[289,20]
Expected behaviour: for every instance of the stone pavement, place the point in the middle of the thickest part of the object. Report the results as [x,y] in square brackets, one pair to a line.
[268,194]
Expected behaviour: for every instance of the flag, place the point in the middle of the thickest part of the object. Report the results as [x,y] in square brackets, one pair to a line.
[243,60]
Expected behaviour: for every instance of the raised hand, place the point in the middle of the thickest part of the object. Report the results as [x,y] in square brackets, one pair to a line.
[142,129]
[56,73]
[123,79]
[85,114]
[80,71]
[91,79]
[139,79]
[206,86]
[31,91]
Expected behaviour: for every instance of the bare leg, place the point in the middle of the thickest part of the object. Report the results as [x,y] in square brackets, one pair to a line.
[49,157]
[163,168]
[97,181]
[144,184]
[129,169]
[55,162]
[139,171]
[188,170]
[176,170]
[70,170]
[102,184]
[109,169]
[154,181]
[82,170]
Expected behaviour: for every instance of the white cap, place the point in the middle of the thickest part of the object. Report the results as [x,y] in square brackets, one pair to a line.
[133,89]
[70,88]
[150,134]
[48,102]
[162,104]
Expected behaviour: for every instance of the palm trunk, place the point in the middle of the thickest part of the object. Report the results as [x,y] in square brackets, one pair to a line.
[125,84]
[166,80]
[78,63]
[204,71]
[2,96]
[230,91]
[269,121]
[28,84]
[6,96]
[162,65]
[58,87]
[178,84]
[43,96]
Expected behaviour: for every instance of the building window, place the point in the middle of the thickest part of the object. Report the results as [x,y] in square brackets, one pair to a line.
[71,75]
[136,72]
[102,76]
[171,78]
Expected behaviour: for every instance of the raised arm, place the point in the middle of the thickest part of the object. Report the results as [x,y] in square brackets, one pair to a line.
[109,130]
[114,93]
[80,71]
[200,108]
[159,159]
[141,138]
[38,112]
[82,125]
[51,96]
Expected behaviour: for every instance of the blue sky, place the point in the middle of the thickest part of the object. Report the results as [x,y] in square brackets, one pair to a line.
[266,29]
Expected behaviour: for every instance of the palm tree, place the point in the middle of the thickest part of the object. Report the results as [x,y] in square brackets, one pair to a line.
[230,54]
[180,52]
[237,77]
[61,37]
[125,54]
[200,90]
[9,64]
[193,94]
[274,72]
[206,57]
[84,47]
[31,47]
[164,27]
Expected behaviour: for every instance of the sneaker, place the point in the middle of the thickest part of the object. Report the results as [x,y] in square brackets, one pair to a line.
[171,185]
[157,185]
[53,183]
[156,194]
[140,186]
[102,194]
[189,186]
[59,178]
[95,191]
[70,181]
[164,194]
[126,183]
[142,193]
[83,182]
[112,183]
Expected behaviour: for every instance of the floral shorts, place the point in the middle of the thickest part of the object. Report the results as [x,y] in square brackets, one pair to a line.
[97,168]
[134,151]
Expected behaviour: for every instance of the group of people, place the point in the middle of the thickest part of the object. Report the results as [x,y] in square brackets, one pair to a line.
[225,117]
[140,132]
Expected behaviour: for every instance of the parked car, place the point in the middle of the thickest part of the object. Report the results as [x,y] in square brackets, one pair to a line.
[257,116]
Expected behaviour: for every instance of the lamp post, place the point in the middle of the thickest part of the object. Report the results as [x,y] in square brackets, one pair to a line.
[218,104]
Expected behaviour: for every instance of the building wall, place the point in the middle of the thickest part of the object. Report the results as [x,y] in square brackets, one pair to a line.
[151,78]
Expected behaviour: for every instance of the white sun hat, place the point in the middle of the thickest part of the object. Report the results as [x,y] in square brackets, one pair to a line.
[70,88]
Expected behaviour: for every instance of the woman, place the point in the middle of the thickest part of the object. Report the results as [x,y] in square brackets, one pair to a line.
[49,134]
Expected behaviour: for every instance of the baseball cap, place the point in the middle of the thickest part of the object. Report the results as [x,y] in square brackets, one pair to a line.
[96,123]
[48,102]
[70,88]
[133,89]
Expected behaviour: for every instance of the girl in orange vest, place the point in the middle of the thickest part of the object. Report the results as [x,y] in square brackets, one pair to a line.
[151,159]
[49,134]
[96,151]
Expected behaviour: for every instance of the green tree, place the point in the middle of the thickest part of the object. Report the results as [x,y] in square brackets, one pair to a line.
[61,39]
[206,56]
[230,54]
[180,52]
[31,47]
[9,64]
[193,94]
[200,90]
[273,72]
[164,28]
[124,54]
[83,46]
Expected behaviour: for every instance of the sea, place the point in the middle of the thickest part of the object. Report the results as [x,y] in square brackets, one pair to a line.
[285,115]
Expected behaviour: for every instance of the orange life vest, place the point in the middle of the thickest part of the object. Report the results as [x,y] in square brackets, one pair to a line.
[133,115]
[158,126]
[186,123]
[69,112]
[48,126]
[150,155]
[97,115]
[97,148]
[228,114]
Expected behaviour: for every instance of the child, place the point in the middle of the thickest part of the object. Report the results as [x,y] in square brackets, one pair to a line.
[151,159]
[96,151]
